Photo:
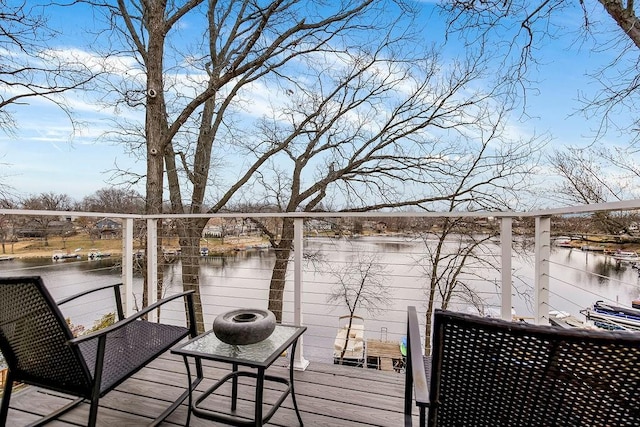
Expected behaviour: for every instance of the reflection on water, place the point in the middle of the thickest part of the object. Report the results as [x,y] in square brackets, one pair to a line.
[395,246]
[581,278]
[605,268]
[75,269]
[585,271]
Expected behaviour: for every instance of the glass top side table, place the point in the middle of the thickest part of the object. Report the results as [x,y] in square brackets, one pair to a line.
[259,356]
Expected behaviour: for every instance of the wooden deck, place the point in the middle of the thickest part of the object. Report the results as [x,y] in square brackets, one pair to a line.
[327,395]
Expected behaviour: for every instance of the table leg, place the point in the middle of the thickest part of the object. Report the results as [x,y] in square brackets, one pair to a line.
[192,384]
[234,388]
[259,396]
[199,373]
[186,363]
[293,392]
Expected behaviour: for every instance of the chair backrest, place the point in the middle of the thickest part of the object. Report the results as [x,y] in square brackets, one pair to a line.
[490,372]
[34,338]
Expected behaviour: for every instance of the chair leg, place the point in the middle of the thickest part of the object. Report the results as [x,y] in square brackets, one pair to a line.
[52,416]
[6,396]
[93,412]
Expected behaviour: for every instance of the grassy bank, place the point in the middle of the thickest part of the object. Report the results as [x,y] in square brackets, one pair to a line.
[82,244]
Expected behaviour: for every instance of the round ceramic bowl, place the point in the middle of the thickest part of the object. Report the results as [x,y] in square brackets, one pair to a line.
[244,326]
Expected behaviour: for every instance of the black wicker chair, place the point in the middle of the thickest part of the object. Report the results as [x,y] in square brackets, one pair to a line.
[40,350]
[490,372]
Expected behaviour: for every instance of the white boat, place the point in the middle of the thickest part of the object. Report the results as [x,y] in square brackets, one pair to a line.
[613,317]
[96,254]
[348,347]
[566,320]
[61,255]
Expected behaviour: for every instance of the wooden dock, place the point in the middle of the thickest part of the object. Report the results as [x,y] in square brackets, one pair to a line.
[327,395]
[385,355]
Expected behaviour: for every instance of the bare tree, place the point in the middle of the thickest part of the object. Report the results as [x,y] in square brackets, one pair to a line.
[479,179]
[361,284]
[586,177]
[7,223]
[584,180]
[435,141]
[46,201]
[454,256]
[242,44]
[29,67]
[353,116]
[519,29]
[607,169]
[115,200]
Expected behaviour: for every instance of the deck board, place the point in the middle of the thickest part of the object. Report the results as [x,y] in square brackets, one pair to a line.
[327,395]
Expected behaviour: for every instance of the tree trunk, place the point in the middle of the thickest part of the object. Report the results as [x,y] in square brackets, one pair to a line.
[279,273]
[346,341]
[155,120]
[190,232]
[427,322]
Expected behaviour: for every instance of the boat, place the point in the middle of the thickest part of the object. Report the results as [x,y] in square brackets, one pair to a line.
[348,347]
[96,254]
[613,317]
[593,248]
[626,256]
[562,242]
[61,255]
[566,320]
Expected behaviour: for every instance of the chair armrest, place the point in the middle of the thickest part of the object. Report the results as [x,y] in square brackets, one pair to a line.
[116,293]
[83,293]
[135,316]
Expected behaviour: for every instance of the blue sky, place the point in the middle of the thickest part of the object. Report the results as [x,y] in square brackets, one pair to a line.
[46,154]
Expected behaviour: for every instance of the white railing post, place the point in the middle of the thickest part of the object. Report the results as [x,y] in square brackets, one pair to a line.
[541,280]
[300,363]
[127,265]
[152,264]
[506,238]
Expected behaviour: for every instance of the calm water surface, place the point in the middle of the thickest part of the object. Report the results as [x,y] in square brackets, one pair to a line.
[577,279]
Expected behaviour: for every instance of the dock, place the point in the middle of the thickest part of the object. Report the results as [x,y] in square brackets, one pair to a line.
[384,355]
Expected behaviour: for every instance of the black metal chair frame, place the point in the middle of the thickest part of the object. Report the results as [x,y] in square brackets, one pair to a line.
[417,372]
[40,349]
[492,372]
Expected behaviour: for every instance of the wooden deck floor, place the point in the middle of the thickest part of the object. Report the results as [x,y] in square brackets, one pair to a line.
[327,395]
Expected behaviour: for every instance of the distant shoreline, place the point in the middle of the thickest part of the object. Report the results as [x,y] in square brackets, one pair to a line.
[35,249]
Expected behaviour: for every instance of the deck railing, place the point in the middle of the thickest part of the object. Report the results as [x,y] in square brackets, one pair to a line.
[305,298]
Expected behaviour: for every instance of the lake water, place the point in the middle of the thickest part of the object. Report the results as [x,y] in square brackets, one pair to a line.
[577,279]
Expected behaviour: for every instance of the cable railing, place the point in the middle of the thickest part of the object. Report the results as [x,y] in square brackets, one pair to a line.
[587,287]
[232,262]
